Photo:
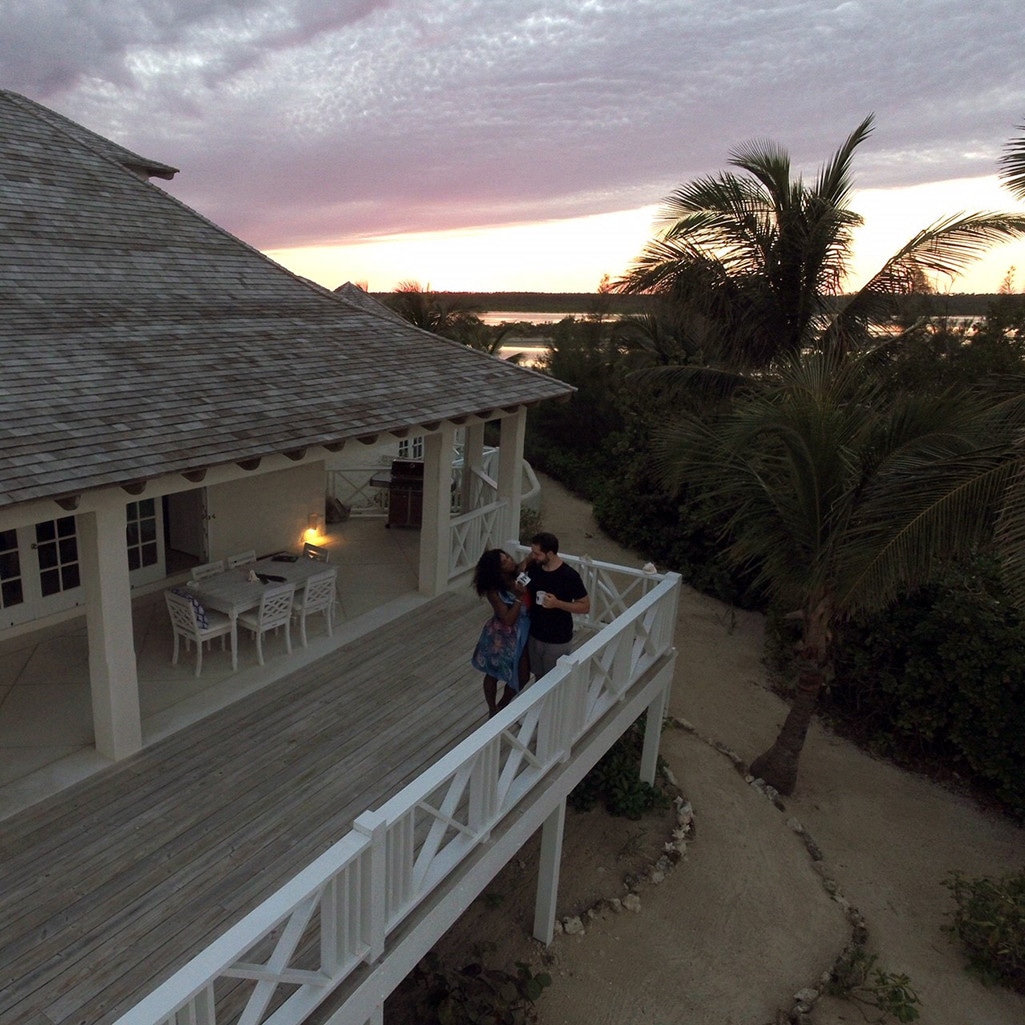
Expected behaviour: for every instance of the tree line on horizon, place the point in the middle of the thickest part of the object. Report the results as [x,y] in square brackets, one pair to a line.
[949,304]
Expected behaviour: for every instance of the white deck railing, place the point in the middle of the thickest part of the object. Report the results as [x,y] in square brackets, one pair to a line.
[348,901]
[470,533]
[352,487]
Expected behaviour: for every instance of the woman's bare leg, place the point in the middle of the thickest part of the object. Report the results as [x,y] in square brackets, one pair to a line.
[490,691]
[524,669]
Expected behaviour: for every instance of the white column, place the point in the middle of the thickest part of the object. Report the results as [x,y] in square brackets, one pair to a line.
[435,539]
[113,677]
[548,874]
[653,734]
[473,459]
[510,469]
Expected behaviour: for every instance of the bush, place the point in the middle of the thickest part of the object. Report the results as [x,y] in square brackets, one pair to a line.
[614,782]
[938,681]
[530,524]
[474,995]
[678,533]
[990,923]
[856,977]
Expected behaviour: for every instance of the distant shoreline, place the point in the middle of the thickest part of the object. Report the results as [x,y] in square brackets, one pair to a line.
[959,304]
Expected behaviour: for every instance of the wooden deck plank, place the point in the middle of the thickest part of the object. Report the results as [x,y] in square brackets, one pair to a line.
[220,816]
[120,880]
[215,887]
[273,726]
[143,931]
[249,713]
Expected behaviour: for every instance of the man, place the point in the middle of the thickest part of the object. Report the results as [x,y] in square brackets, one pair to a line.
[557,595]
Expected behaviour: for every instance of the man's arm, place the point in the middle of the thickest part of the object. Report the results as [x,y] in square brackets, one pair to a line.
[579,606]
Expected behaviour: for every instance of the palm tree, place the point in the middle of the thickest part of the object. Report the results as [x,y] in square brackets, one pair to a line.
[844,496]
[841,490]
[490,339]
[761,257]
[448,316]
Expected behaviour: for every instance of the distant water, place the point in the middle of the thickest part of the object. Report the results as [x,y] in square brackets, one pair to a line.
[519,317]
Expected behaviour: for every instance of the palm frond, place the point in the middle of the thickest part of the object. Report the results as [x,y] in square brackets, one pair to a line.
[834,184]
[1012,164]
[949,245]
[689,383]
[946,247]
[769,164]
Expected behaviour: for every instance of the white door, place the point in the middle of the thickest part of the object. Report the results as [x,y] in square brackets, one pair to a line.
[39,565]
[39,570]
[144,535]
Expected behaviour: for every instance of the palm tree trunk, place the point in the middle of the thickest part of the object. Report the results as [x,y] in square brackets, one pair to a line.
[778,765]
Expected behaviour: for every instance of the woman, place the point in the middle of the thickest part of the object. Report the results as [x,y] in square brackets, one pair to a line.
[501,651]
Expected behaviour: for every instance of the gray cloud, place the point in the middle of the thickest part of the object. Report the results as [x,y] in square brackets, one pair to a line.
[298,121]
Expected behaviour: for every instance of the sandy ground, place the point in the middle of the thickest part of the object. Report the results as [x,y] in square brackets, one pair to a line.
[747,918]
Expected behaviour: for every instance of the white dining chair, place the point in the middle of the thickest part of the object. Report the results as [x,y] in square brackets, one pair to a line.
[191,621]
[274,610]
[242,559]
[318,552]
[208,569]
[317,596]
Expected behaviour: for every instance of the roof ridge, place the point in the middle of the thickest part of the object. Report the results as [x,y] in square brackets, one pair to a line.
[101,146]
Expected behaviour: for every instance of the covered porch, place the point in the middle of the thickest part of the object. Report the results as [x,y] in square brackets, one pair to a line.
[46,730]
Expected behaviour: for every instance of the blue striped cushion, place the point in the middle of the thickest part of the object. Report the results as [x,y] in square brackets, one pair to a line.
[202,619]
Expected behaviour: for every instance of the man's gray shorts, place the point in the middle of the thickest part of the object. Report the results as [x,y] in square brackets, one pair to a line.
[544,655]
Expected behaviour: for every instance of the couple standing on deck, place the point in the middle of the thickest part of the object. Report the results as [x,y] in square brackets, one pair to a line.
[532,626]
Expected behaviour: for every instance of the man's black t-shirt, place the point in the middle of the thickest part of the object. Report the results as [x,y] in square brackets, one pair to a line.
[553,626]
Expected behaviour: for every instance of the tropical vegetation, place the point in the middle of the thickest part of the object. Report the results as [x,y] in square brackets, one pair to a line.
[841,491]
[453,316]
[830,471]
[848,460]
[989,922]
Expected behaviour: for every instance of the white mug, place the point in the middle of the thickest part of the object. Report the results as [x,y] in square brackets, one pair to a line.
[541,595]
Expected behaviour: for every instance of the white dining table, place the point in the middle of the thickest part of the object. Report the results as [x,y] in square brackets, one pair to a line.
[233,592]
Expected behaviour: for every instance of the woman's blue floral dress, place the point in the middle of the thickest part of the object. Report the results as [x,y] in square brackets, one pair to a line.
[499,649]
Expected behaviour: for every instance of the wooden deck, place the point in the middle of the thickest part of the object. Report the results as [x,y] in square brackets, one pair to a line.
[110,886]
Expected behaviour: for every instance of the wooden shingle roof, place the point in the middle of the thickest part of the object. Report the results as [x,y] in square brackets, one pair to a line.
[137,338]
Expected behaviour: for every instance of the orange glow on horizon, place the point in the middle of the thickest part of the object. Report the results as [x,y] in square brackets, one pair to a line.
[572,255]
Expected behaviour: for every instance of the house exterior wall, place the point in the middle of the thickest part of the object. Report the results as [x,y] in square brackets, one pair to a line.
[268,513]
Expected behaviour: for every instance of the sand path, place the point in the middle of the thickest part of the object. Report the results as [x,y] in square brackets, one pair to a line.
[745,920]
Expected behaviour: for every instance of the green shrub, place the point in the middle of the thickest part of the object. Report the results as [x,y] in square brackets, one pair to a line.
[614,782]
[938,681]
[676,533]
[856,977]
[530,524]
[475,995]
[989,921]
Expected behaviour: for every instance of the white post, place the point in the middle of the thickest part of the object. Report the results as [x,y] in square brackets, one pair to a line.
[510,470]
[653,733]
[113,675]
[548,874]
[484,789]
[435,530]
[374,884]
[473,459]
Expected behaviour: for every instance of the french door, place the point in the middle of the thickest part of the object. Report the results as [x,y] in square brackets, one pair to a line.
[40,565]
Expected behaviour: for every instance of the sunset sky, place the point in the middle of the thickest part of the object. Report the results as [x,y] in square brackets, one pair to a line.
[525,144]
